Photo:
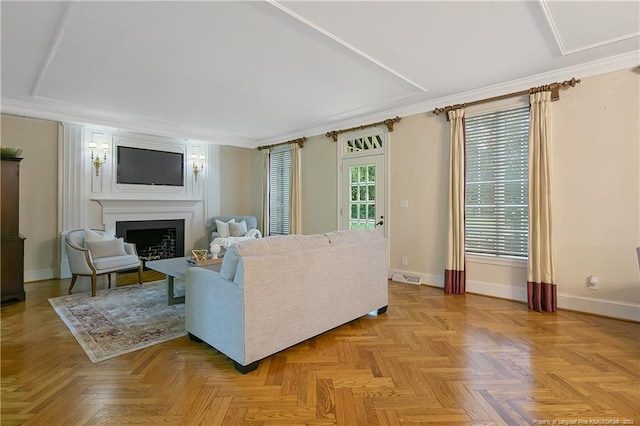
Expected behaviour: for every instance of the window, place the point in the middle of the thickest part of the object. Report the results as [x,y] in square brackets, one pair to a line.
[279,191]
[496,192]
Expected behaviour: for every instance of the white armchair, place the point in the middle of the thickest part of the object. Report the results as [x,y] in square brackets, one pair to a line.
[98,255]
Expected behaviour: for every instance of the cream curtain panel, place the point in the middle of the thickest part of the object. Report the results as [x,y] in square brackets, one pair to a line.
[541,287]
[265,192]
[296,193]
[454,274]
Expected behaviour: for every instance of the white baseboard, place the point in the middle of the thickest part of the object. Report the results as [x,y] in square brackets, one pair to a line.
[608,308]
[497,290]
[39,275]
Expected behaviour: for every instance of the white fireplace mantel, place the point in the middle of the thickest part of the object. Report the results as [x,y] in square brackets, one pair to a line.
[123,209]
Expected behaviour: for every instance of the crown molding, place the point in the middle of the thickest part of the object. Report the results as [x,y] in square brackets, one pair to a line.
[61,111]
[589,69]
[58,111]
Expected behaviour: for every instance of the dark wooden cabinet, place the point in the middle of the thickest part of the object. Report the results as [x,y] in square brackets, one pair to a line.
[11,241]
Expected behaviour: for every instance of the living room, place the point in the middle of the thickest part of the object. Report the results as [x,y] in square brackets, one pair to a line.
[596,187]
[600,240]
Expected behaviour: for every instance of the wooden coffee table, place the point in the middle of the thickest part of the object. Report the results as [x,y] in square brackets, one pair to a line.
[175,268]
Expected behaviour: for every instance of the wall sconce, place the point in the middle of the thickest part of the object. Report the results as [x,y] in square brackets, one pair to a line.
[95,159]
[197,169]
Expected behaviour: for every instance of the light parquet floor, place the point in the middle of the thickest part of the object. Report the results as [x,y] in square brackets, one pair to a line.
[431,359]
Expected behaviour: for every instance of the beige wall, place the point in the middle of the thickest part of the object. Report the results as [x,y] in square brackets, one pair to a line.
[596,134]
[236,183]
[319,185]
[38,190]
[419,158]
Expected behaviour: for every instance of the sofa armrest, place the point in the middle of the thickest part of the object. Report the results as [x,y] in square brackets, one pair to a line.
[214,311]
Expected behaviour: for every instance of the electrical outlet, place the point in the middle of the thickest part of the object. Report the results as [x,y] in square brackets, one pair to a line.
[593,283]
[405,261]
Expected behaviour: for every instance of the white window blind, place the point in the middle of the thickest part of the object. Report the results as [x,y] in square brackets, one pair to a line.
[496,192]
[280,191]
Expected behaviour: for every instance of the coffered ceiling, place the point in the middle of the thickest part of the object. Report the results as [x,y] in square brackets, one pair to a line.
[251,73]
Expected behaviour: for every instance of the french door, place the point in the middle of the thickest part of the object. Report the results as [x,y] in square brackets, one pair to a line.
[363,192]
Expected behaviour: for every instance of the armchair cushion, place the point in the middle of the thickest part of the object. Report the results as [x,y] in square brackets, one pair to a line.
[128,261]
[107,248]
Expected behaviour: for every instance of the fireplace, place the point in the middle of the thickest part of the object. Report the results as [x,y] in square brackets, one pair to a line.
[154,239]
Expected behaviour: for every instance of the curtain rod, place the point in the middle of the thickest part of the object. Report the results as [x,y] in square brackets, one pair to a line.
[389,122]
[299,141]
[554,87]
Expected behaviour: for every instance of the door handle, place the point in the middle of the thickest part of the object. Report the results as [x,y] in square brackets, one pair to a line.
[381,222]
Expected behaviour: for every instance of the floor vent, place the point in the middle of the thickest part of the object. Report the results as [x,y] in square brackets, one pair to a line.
[406,278]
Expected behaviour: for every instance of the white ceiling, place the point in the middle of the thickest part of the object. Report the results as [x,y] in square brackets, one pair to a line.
[253,73]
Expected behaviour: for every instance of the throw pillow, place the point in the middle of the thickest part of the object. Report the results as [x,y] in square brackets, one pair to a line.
[238,229]
[230,263]
[106,248]
[90,235]
[223,227]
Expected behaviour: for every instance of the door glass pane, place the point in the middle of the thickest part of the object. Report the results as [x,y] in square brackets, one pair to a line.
[362,210]
[367,143]
[372,192]
[371,211]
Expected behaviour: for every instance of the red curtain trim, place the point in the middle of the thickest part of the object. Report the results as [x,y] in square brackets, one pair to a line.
[454,281]
[543,297]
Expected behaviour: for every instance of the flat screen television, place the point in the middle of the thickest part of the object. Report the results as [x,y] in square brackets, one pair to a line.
[139,166]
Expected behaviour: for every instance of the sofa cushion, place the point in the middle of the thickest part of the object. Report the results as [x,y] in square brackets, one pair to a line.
[353,236]
[223,227]
[238,229]
[107,248]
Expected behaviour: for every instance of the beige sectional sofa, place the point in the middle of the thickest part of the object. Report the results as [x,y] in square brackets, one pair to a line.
[275,292]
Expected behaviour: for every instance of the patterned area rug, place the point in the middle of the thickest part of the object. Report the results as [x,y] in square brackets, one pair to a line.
[121,320]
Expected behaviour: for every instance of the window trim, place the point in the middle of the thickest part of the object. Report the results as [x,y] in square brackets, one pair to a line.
[514,262]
